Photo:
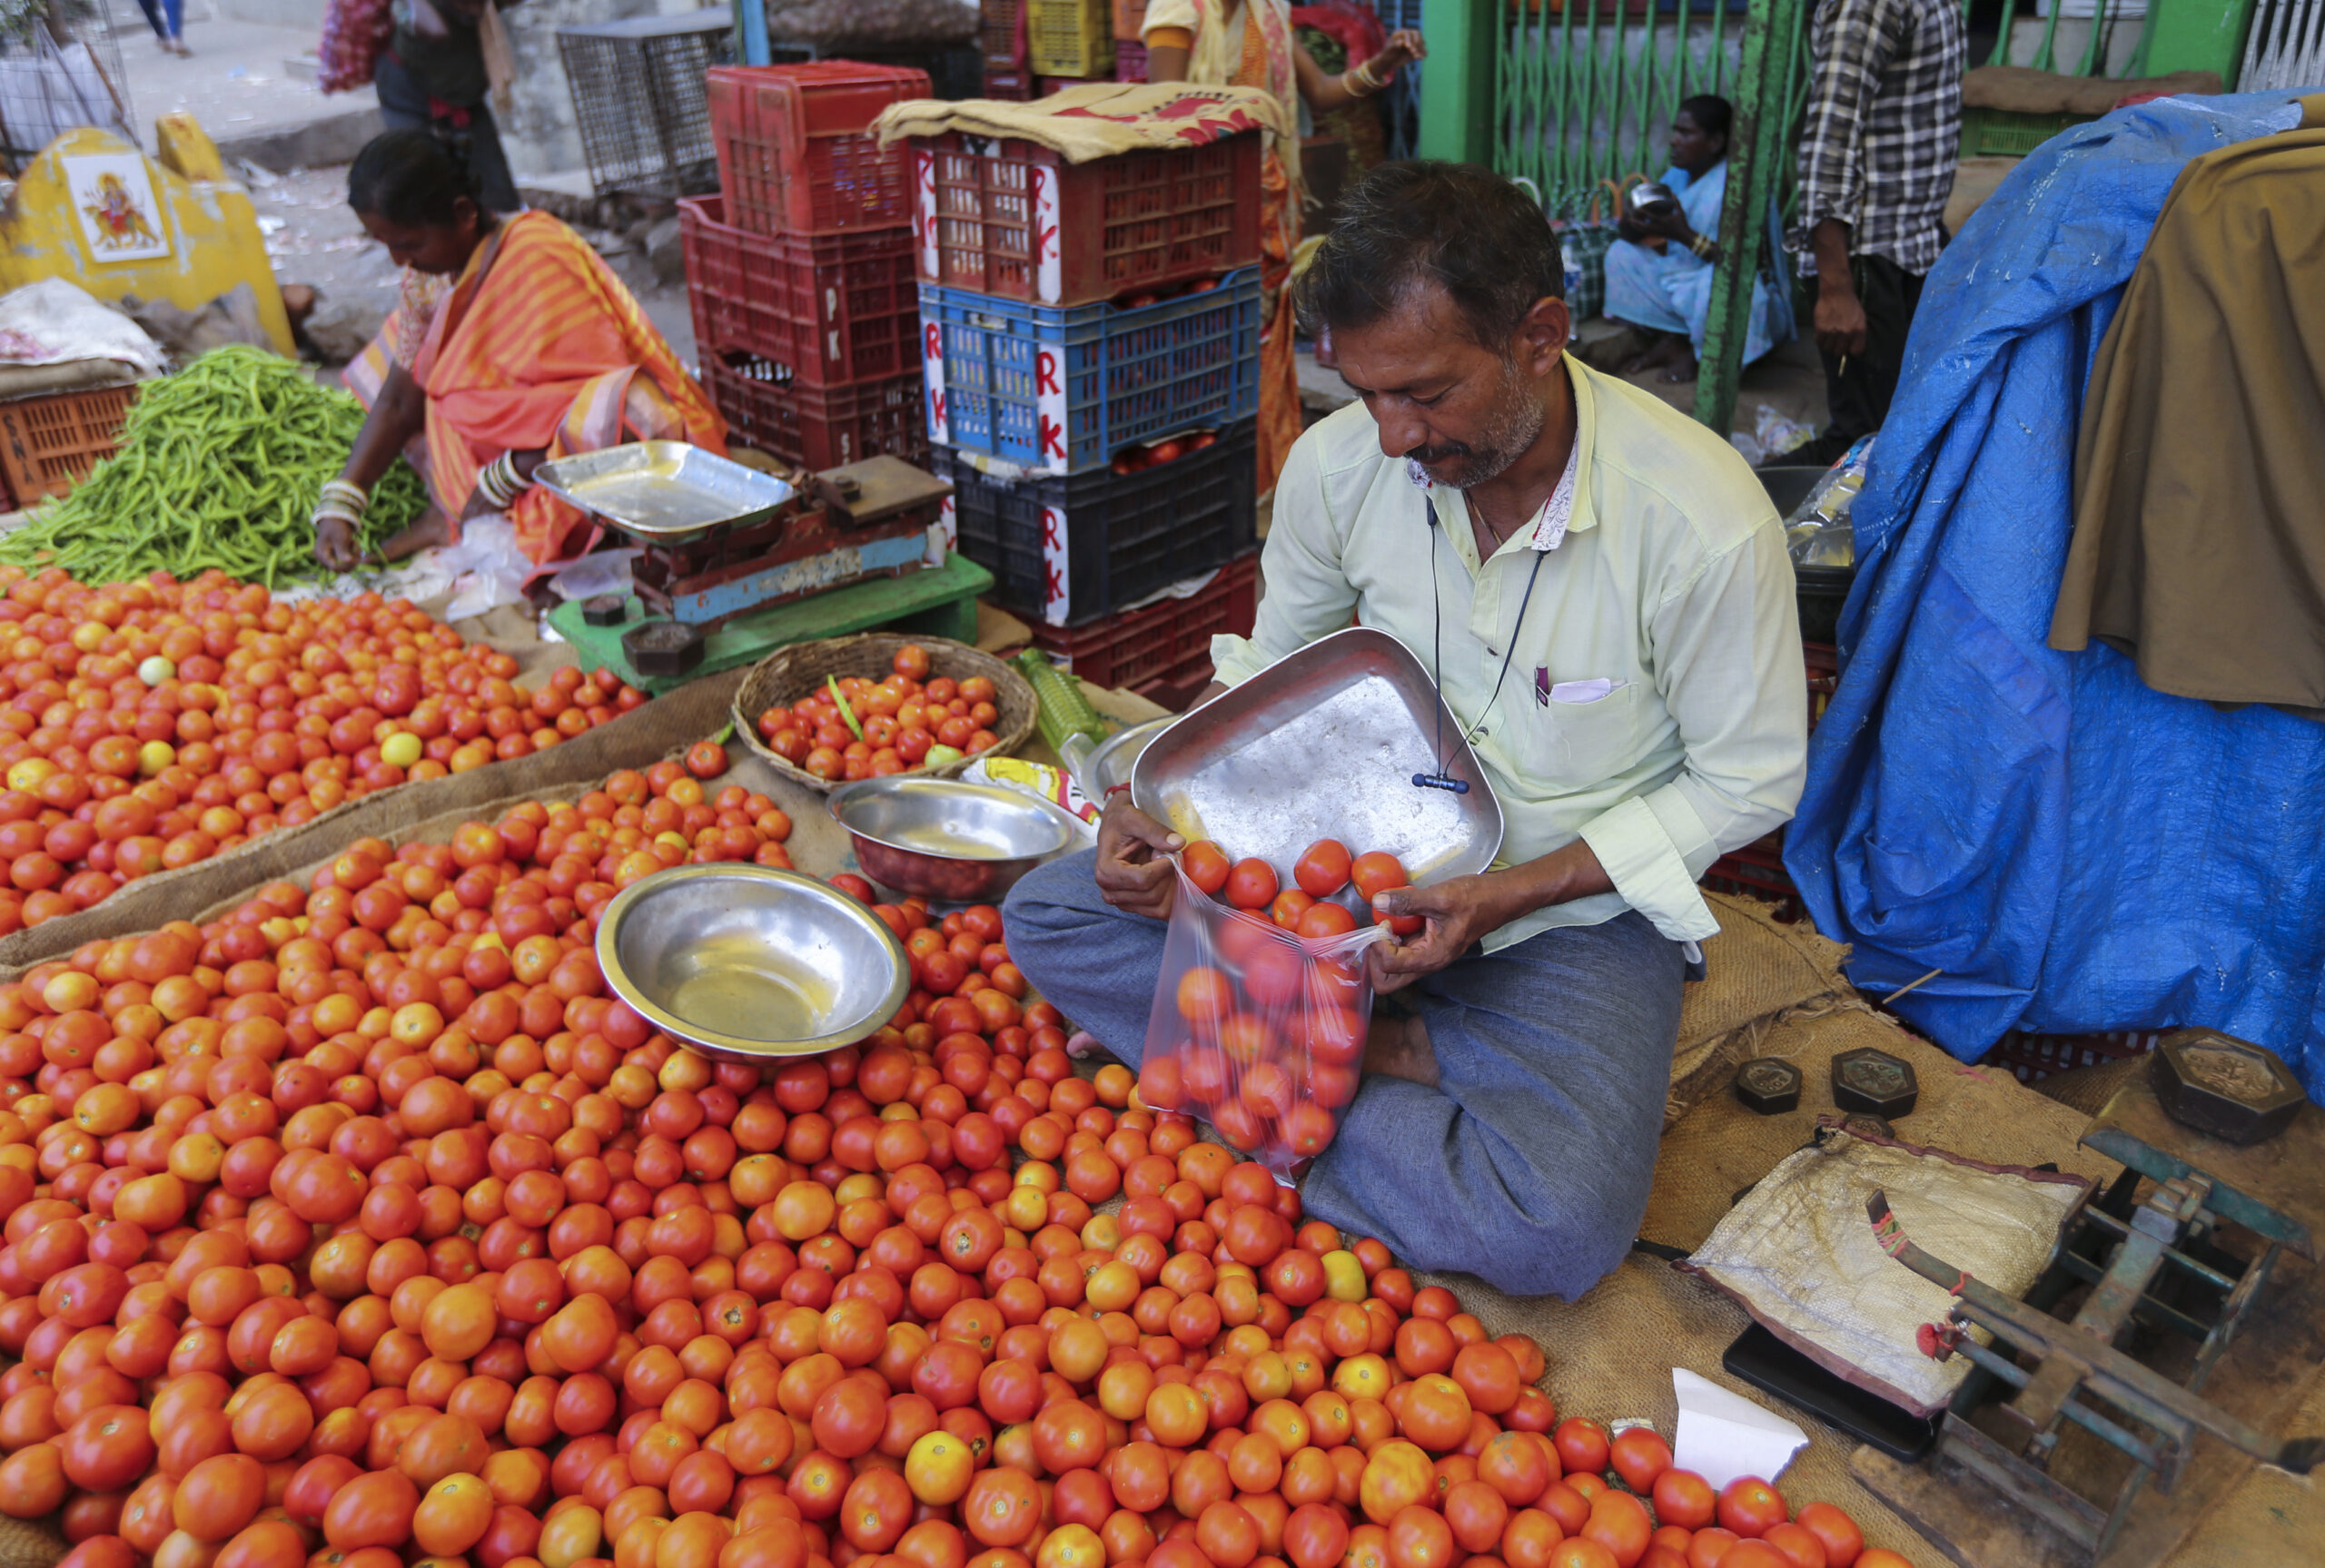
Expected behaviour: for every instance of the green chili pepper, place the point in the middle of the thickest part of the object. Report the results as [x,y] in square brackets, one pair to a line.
[218,466]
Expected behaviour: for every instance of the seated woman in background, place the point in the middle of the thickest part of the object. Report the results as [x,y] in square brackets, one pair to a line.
[535,351]
[1658,273]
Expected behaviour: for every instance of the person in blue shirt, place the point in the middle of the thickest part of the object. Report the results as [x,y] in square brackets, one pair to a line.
[1659,272]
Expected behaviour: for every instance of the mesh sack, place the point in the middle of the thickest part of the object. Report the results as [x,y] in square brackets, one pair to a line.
[1255,1030]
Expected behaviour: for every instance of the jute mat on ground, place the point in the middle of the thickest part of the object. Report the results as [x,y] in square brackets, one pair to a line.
[31,1544]
[1611,1353]
[1757,971]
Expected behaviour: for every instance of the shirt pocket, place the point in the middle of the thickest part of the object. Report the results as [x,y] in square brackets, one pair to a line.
[1563,746]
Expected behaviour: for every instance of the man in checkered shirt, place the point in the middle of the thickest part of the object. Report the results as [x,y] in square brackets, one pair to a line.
[1877,152]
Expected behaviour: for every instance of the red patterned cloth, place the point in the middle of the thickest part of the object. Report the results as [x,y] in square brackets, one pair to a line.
[355,32]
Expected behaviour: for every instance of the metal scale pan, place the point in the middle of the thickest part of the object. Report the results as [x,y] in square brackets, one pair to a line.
[1326,743]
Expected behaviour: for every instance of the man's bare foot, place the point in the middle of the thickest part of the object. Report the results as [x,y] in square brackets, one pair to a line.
[1399,1048]
[429,528]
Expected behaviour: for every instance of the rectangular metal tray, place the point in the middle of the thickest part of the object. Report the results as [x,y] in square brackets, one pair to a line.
[1324,744]
[658,492]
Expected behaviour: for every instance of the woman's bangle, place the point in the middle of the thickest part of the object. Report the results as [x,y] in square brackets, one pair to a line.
[342,498]
[498,483]
[1703,246]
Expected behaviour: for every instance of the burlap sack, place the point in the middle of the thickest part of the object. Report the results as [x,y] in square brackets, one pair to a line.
[634,740]
[31,1544]
[1757,971]
[1611,1353]
[2023,90]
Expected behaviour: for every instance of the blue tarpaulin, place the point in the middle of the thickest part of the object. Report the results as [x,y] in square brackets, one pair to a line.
[2069,850]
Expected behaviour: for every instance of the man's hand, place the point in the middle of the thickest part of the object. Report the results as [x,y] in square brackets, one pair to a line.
[1455,914]
[1135,872]
[1840,316]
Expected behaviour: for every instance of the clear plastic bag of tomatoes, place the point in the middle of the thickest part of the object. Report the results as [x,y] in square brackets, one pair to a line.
[1256,1031]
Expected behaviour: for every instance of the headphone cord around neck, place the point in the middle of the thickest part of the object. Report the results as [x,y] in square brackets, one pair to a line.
[1437,643]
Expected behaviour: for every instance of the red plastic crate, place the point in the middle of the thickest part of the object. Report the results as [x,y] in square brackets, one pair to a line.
[1111,226]
[1016,86]
[2031,1058]
[1001,34]
[793,154]
[1167,643]
[835,308]
[1130,18]
[817,428]
[49,444]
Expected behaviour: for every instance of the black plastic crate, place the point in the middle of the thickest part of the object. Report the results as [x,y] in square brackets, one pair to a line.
[1070,549]
[638,101]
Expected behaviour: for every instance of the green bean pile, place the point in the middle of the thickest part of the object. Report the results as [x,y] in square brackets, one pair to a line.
[218,466]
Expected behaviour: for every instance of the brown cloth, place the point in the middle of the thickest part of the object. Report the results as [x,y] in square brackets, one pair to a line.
[2023,90]
[2198,543]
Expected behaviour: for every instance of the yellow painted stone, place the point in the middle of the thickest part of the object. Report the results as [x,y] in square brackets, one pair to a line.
[202,225]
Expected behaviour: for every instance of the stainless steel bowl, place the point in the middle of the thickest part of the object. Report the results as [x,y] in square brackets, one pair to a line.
[745,962]
[1098,766]
[948,839]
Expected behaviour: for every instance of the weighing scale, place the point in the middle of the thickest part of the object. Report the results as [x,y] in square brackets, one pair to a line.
[718,541]
[2178,1326]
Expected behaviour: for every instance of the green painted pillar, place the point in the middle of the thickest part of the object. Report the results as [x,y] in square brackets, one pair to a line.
[1464,51]
[2193,35]
[1756,153]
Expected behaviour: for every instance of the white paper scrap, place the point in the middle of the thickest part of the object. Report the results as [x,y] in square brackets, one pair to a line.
[1723,1435]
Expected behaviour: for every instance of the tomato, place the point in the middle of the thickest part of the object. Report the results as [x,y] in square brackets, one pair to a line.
[1835,1530]
[1582,1445]
[1477,1514]
[1749,1506]
[1619,1523]
[218,1496]
[1315,1536]
[1322,868]
[1802,1547]
[1638,1455]
[1206,865]
[705,759]
[1250,884]
[1686,1499]
[374,1510]
[1397,1475]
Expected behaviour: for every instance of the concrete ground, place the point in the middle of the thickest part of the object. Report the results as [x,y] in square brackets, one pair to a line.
[251,87]
[245,80]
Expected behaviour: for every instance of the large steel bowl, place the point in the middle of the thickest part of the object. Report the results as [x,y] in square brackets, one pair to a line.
[745,962]
[947,839]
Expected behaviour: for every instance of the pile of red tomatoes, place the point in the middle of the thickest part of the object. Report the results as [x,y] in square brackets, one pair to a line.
[853,728]
[361,1229]
[150,725]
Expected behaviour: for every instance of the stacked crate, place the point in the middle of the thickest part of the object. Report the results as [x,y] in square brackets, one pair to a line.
[1090,334]
[801,271]
[1001,34]
[1130,49]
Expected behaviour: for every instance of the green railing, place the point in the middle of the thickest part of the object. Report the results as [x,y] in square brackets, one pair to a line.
[1584,91]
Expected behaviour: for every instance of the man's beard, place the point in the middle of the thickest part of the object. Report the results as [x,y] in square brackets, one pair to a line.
[1514,425]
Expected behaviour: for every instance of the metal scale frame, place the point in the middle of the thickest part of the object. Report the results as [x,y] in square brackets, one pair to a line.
[2177,1275]
[867,520]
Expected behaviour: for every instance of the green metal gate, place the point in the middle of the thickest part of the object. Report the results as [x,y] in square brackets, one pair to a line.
[1584,91]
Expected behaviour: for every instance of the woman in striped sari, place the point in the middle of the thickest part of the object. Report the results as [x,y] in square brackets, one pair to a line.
[1249,44]
[530,349]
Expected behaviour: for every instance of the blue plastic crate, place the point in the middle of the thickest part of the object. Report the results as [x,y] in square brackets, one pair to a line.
[1060,389]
